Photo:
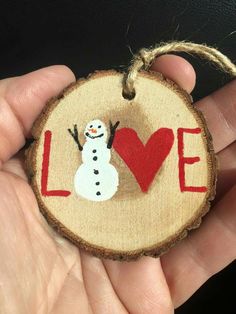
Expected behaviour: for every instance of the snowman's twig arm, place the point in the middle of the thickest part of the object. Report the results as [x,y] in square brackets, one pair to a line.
[76,136]
[112,134]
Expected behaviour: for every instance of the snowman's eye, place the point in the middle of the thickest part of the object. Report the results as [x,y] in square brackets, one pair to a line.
[99,126]
[91,126]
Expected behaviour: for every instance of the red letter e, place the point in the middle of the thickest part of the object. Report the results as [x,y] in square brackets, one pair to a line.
[187,160]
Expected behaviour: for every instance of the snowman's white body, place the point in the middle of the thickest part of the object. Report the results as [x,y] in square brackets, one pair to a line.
[96,179]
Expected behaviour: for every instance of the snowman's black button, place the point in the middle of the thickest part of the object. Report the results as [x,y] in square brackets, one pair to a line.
[95,171]
[98,193]
[94,151]
[97,183]
[95,158]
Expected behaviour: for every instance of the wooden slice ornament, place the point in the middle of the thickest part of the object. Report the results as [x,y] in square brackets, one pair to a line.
[122,177]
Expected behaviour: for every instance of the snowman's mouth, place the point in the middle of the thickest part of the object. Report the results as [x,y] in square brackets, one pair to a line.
[90,136]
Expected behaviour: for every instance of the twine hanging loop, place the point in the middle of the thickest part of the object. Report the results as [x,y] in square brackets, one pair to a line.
[145,57]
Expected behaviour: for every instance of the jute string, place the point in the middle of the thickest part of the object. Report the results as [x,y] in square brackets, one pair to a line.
[145,57]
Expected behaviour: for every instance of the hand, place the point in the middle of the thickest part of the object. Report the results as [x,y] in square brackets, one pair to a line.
[40,272]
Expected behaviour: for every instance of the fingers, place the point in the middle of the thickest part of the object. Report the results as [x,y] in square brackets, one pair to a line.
[140,285]
[205,252]
[212,247]
[219,110]
[226,157]
[72,297]
[101,294]
[16,165]
[227,170]
[27,94]
[177,69]
[22,99]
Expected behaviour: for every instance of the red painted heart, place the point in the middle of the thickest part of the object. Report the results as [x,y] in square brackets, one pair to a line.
[144,161]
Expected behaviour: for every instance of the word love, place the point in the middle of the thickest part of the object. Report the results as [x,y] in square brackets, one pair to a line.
[144,161]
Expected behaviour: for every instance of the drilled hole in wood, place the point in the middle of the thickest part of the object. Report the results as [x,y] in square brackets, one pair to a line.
[128,96]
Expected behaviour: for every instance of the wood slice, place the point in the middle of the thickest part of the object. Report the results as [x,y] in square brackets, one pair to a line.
[142,194]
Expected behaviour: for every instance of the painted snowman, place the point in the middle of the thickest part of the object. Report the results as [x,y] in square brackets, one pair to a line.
[96,179]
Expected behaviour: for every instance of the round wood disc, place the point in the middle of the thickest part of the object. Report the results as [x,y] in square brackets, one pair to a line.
[122,178]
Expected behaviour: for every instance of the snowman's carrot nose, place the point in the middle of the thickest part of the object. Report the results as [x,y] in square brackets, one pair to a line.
[93,130]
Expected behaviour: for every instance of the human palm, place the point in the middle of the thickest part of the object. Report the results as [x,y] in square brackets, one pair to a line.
[41,272]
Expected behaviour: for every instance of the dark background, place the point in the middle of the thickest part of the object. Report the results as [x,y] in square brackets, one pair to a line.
[91,35]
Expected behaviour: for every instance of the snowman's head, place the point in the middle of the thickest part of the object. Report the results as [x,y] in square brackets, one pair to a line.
[95,129]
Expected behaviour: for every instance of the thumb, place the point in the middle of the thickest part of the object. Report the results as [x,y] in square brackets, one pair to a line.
[22,99]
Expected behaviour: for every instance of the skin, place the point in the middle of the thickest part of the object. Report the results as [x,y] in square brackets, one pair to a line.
[43,273]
